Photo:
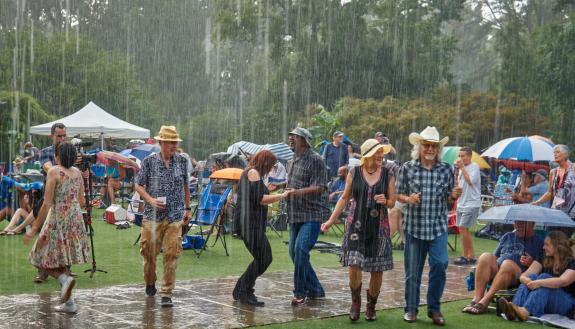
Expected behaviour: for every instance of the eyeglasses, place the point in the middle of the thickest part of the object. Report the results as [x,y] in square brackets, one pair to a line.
[432,146]
[61,136]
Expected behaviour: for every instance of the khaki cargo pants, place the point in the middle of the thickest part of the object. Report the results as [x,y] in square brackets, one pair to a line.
[163,236]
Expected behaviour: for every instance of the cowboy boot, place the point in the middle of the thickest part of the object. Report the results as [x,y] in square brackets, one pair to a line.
[370,306]
[355,303]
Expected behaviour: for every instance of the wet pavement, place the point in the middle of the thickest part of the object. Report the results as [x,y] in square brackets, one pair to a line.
[207,303]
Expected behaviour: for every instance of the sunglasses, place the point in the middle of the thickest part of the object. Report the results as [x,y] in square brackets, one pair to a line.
[430,146]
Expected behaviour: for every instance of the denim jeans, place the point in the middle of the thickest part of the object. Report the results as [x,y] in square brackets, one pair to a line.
[415,252]
[544,300]
[303,237]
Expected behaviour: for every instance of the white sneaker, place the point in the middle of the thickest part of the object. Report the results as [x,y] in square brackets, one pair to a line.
[67,287]
[66,308]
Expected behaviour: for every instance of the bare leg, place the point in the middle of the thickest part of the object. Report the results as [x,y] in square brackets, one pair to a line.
[29,220]
[354,277]
[20,213]
[375,281]
[484,272]
[508,273]
[396,222]
[467,242]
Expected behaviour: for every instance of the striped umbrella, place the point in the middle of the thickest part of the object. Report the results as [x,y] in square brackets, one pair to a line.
[521,149]
[451,153]
[280,150]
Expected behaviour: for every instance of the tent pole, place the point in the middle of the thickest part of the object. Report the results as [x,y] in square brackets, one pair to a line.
[102,141]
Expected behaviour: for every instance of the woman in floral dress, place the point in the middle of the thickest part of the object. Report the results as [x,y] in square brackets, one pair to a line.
[367,246]
[63,239]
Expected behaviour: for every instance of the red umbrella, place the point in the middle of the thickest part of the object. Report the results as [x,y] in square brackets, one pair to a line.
[523,165]
[106,157]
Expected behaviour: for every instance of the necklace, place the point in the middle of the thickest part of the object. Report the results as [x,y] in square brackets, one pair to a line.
[371,173]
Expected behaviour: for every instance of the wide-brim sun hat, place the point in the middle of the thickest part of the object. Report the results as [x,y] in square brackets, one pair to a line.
[304,133]
[370,147]
[429,134]
[168,134]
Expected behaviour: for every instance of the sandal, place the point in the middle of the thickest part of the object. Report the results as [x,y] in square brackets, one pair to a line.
[468,307]
[477,309]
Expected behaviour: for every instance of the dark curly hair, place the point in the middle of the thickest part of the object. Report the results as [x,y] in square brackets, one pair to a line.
[66,153]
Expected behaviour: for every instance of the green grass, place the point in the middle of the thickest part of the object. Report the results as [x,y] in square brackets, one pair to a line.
[394,319]
[116,254]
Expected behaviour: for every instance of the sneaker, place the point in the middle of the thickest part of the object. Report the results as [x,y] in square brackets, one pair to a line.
[297,300]
[66,308]
[151,290]
[462,261]
[67,287]
[166,302]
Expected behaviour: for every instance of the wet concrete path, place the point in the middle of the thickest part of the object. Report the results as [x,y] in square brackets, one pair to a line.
[207,303]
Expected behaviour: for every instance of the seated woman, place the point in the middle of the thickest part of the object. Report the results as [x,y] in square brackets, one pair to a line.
[25,215]
[116,174]
[547,288]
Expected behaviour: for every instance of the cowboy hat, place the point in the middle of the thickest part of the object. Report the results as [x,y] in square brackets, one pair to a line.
[429,134]
[168,134]
[370,147]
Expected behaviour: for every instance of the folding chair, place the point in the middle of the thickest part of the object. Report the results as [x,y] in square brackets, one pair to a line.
[278,219]
[209,212]
[452,227]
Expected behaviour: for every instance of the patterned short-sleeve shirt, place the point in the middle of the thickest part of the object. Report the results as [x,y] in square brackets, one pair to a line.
[46,155]
[428,219]
[162,181]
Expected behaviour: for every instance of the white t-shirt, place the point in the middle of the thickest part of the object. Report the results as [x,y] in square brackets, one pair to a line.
[471,195]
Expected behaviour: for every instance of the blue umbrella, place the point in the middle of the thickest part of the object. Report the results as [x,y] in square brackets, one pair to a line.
[521,149]
[142,151]
[527,213]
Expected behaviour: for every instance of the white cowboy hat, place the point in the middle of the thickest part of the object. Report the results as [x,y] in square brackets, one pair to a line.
[429,134]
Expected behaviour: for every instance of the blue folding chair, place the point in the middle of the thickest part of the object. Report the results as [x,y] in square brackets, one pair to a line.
[209,213]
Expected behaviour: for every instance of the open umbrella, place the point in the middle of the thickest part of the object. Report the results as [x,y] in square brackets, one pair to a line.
[521,149]
[450,154]
[106,157]
[142,151]
[227,173]
[527,213]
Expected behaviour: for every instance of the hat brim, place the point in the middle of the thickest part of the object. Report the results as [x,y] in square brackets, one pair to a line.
[386,149]
[307,140]
[158,138]
[415,138]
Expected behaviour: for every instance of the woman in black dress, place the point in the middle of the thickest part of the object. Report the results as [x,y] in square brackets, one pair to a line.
[366,244]
[251,213]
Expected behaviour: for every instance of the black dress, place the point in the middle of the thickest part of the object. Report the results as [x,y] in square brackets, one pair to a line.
[366,242]
[252,216]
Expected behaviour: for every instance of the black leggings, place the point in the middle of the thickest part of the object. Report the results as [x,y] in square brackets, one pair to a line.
[259,246]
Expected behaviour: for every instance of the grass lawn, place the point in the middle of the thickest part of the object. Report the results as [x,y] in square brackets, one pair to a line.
[116,254]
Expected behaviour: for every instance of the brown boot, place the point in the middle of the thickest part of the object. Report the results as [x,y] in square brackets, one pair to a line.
[370,307]
[355,303]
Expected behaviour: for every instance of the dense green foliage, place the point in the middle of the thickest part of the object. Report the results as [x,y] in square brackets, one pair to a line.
[224,70]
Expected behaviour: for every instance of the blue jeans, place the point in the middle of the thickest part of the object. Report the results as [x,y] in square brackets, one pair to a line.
[303,237]
[544,300]
[415,252]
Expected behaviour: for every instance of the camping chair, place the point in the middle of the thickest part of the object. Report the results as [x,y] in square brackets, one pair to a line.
[452,227]
[278,220]
[209,213]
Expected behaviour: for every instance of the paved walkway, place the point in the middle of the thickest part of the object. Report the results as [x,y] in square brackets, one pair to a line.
[207,303]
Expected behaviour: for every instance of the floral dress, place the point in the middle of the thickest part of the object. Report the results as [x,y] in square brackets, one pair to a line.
[63,239]
[366,242]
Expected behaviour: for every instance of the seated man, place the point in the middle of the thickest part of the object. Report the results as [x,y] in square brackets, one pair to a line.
[337,186]
[514,254]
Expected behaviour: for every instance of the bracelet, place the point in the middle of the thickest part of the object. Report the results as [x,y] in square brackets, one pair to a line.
[188,208]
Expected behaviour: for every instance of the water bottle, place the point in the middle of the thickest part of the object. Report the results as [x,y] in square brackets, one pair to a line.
[470,280]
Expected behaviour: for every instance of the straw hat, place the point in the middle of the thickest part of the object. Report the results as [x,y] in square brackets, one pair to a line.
[370,147]
[18,161]
[168,134]
[429,134]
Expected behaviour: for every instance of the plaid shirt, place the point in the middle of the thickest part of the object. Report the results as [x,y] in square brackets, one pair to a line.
[159,181]
[305,171]
[46,155]
[428,219]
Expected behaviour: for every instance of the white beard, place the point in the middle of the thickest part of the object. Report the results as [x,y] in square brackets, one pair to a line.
[429,157]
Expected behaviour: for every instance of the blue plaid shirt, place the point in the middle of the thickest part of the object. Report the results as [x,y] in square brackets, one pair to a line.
[428,219]
[46,155]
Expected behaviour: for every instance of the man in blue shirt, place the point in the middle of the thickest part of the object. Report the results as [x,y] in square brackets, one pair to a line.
[514,254]
[540,186]
[335,154]
[162,183]
[425,185]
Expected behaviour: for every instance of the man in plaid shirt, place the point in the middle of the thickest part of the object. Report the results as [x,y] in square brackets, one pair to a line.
[426,186]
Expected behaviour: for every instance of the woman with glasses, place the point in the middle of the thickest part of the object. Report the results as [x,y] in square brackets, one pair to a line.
[367,246]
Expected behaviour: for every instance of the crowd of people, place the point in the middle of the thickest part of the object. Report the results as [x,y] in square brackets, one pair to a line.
[377,200]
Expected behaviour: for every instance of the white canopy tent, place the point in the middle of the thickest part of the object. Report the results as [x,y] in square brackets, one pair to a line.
[92,121]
